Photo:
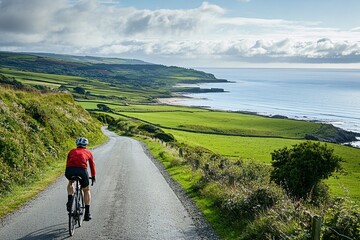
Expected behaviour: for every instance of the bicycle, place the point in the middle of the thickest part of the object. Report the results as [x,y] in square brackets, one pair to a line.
[77,211]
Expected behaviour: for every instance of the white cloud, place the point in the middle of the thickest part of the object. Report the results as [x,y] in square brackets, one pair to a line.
[205,32]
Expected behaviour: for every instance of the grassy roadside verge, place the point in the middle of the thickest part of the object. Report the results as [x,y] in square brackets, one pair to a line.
[188,179]
[256,216]
[22,194]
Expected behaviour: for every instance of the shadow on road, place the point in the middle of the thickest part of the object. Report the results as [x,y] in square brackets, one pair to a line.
[59,231]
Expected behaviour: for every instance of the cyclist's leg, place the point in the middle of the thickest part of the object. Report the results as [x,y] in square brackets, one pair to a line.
[87,195]
[87,199]
[70,187]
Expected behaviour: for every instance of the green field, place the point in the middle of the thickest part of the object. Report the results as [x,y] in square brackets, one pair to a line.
[267,135]
[228,123]
[96,89]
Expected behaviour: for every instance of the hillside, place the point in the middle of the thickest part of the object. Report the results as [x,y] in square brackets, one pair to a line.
[37,130]
[91,59]
[118,72]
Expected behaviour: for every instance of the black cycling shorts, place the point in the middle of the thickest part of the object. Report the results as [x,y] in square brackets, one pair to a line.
[78,171]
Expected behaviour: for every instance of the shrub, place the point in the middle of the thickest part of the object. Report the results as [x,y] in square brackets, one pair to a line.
[165,137]
[79,90]
[301,168]
[103,107]
[149,128]
[343,217]
[104,118]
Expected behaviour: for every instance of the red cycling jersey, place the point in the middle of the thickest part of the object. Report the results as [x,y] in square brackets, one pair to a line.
[79,157]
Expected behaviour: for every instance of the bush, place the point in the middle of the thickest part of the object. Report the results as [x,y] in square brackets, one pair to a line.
[344,218]
[165,137]
[301,168]
[104,118]
[149,128]
[103,107]
[11,81]
[79,90]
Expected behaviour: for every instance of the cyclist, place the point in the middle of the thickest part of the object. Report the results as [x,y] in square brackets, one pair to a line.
[76,165]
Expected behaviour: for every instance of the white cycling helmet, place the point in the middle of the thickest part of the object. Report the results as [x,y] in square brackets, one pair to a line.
[82,142]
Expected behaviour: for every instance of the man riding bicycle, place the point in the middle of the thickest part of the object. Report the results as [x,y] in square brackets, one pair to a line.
[76,165]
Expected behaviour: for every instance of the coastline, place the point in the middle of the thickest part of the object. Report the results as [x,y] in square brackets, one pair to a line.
[174,101]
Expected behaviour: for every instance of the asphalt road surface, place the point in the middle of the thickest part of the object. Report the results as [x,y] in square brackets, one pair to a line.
[130,200]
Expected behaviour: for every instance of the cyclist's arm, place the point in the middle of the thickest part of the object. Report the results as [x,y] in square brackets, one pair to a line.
[92,165]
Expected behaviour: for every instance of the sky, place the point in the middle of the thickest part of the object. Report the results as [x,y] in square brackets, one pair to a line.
[189,33]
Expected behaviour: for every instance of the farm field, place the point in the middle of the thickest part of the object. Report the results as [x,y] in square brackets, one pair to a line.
[227,123]
[95,89]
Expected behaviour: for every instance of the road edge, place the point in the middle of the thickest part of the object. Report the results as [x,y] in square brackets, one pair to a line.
[203,227]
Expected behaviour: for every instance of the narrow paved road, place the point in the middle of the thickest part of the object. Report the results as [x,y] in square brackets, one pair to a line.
[131,200]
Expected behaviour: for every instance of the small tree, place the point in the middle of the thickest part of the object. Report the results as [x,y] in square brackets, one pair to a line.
[79,90]
[301,168]
[103,107]
[62,88]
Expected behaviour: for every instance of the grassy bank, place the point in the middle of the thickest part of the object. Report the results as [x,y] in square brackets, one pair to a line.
[37,130]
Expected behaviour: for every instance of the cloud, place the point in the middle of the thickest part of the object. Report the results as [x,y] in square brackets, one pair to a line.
[206,32]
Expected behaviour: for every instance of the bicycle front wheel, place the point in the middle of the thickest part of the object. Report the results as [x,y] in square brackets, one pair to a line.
[72,217]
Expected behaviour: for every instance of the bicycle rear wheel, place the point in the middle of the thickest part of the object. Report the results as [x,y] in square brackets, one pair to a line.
[72,216]
[81,208]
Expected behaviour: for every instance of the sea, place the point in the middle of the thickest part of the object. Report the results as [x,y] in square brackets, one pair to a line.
[324,95]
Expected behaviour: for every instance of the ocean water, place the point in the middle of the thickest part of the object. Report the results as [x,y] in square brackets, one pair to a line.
[326,95]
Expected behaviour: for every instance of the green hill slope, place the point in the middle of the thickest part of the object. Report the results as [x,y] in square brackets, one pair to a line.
[131,73]
[36,132]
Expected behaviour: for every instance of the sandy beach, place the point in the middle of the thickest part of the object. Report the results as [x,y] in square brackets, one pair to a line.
[172,100]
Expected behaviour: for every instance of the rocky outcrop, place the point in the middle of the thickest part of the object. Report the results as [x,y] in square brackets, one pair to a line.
[330,133]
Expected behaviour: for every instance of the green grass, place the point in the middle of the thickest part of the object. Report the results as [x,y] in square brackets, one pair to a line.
[152,108]
[22,194]
[229,123]
[235,147]
[347,185]
[98,89]
[41,78]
